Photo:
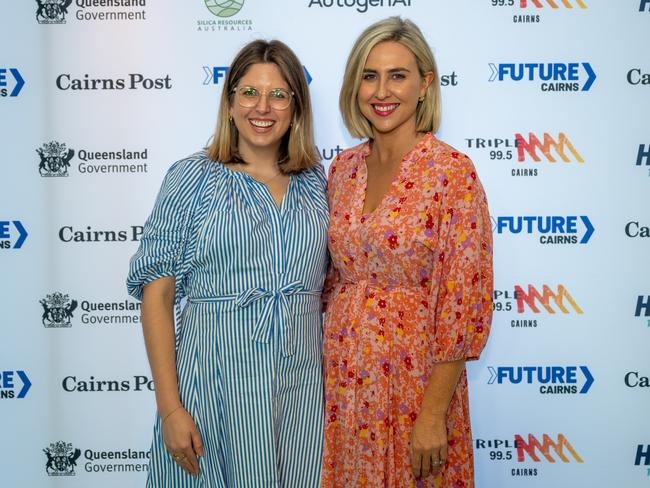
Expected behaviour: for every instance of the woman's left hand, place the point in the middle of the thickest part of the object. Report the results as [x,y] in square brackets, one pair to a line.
[428,444]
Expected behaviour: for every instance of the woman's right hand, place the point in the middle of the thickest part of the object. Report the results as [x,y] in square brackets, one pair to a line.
[183,440]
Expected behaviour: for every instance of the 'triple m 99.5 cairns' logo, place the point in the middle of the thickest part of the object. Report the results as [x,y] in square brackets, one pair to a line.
[538,6]
[552,379]
[554,77]
[528,448]
[521,149]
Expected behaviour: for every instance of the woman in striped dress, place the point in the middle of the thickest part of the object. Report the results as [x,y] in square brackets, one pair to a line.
[241,231]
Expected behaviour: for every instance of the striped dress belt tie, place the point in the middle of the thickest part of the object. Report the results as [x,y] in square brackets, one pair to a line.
[275,316]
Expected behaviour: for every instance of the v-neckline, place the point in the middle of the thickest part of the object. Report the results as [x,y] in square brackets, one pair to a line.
[363,178]
[246,176]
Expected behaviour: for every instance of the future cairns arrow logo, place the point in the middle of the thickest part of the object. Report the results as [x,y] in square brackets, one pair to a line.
[215,73]
[544,375]
[4,81]
[542,72]
[5,233]
[8,382]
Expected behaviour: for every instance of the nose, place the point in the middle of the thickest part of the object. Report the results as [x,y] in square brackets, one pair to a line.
[383,90]
[263,105]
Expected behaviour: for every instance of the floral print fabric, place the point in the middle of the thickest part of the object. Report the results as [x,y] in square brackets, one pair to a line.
[410,285]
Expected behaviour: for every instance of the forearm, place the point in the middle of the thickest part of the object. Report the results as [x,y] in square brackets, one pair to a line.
[440,388]
[159,338]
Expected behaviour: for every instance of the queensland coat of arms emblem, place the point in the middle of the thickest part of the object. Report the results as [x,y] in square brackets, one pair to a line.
[57,310]
[61,459]
[55,159]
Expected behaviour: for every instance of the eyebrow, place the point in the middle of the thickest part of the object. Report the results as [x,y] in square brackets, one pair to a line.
[392,70]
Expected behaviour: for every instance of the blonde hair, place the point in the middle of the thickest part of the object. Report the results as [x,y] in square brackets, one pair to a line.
[409,35]
[297,149]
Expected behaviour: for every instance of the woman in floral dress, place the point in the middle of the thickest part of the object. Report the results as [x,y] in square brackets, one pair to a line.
[409,292]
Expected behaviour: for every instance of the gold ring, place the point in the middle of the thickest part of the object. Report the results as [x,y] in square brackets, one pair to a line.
[179,457]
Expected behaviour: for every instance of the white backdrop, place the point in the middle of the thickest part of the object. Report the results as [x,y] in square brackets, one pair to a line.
[560,396]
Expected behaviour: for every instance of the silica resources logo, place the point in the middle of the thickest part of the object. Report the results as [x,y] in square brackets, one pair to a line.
[62,458]
[14,384]
[642,457]
[55,160]
[360,6]
[535,9]
[553,229]
[540,301]
[225,17]
[551,77]
[527,154]
[11,82]
[69,233]
[55,11]
[59,310]
[552,379]
[644,6]
[132,81]
[12,234]
[224,8]
[528,448]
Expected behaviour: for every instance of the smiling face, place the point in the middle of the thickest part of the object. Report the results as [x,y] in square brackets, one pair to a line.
[390,88]
[260,127]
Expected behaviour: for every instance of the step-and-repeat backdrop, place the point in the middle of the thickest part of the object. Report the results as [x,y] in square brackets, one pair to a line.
[550,98]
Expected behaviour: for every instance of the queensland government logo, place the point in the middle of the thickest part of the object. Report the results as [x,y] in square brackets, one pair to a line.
[12,234]
[552,77]
[531,148]
[552,379]
[14,384]
[57,310]
[55,11]
[528,448]
[61,459]
[10,78]
[224,10]
[536,6]
[52,11]
[55,159]
[554,229]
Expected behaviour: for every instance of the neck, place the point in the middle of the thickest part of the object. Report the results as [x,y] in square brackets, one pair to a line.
[262,159]
[389,146]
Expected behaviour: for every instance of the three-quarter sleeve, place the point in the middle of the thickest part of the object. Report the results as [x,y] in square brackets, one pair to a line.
[161,245]
[461,293]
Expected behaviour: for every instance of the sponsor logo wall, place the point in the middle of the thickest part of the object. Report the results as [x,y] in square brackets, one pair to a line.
[109,93]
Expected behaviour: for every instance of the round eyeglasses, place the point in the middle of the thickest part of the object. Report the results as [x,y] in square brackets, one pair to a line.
[249,97]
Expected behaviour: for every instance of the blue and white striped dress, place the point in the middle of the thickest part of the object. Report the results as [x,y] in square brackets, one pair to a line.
[249,340]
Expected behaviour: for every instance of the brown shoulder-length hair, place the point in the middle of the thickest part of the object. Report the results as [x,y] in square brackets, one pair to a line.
[409,35]
[297,149]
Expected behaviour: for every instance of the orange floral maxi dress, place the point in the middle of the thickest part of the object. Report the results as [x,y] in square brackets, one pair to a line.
[410,285]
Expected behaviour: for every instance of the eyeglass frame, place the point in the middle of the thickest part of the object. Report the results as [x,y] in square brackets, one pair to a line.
[262,93]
